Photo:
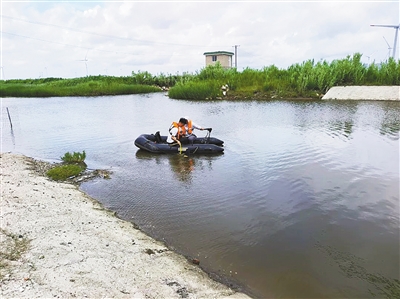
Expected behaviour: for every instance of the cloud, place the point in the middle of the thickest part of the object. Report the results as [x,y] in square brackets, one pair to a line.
[53,38]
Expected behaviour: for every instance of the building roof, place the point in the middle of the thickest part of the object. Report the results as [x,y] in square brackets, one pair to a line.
[218,53]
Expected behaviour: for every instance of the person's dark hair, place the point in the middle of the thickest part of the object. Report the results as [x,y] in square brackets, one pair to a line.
[183,120]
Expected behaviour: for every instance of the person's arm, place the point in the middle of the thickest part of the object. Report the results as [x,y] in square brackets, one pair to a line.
[196,126]
[176,139]
[174,132]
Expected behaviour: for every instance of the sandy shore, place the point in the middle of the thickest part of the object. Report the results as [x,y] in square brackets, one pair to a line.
[76,248]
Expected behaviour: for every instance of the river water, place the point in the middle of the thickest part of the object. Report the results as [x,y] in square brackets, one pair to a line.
[303,203]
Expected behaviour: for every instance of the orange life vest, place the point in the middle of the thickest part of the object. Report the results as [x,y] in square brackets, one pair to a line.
[181,130]
[190,128]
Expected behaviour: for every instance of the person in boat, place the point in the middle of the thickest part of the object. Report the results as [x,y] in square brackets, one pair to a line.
[181,129]
[190,126]
[176,132]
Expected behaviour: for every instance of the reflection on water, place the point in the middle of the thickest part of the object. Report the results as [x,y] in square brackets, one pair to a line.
[352,267]
[12,137]
[303,203]
[344,129]
[391,129]
[182,165]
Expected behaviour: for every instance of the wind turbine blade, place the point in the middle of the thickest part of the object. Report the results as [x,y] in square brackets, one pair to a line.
[391,26]
[386,42]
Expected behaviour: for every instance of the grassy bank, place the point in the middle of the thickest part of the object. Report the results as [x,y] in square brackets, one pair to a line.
[309,79]
[87,86]
[305,80]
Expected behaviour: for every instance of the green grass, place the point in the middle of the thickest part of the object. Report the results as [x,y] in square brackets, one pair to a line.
[63,172]
[88,86]
[300,80]
[195,90]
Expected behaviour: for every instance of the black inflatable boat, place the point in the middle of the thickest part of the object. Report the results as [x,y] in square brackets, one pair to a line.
[159,145]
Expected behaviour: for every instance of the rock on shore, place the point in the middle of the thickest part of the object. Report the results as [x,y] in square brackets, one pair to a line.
[383,93]
[76,248]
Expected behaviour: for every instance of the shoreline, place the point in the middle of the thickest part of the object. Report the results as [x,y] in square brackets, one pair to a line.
[356,93]
[74,247]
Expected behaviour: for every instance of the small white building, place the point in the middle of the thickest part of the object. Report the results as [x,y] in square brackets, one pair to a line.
[223,57]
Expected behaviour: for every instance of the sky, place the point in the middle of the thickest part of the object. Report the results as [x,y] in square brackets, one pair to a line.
[70,39]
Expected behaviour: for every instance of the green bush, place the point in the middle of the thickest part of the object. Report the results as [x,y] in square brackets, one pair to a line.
[74,164]
[63,172]
[75,157]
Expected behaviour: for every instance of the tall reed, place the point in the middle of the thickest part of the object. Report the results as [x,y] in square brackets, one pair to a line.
[195,90]
[307,79]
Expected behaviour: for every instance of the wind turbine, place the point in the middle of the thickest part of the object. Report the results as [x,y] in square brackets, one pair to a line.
[396,27]
[389,48]
[86,60]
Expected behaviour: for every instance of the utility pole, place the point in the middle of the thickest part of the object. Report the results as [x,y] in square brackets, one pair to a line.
[236,46]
